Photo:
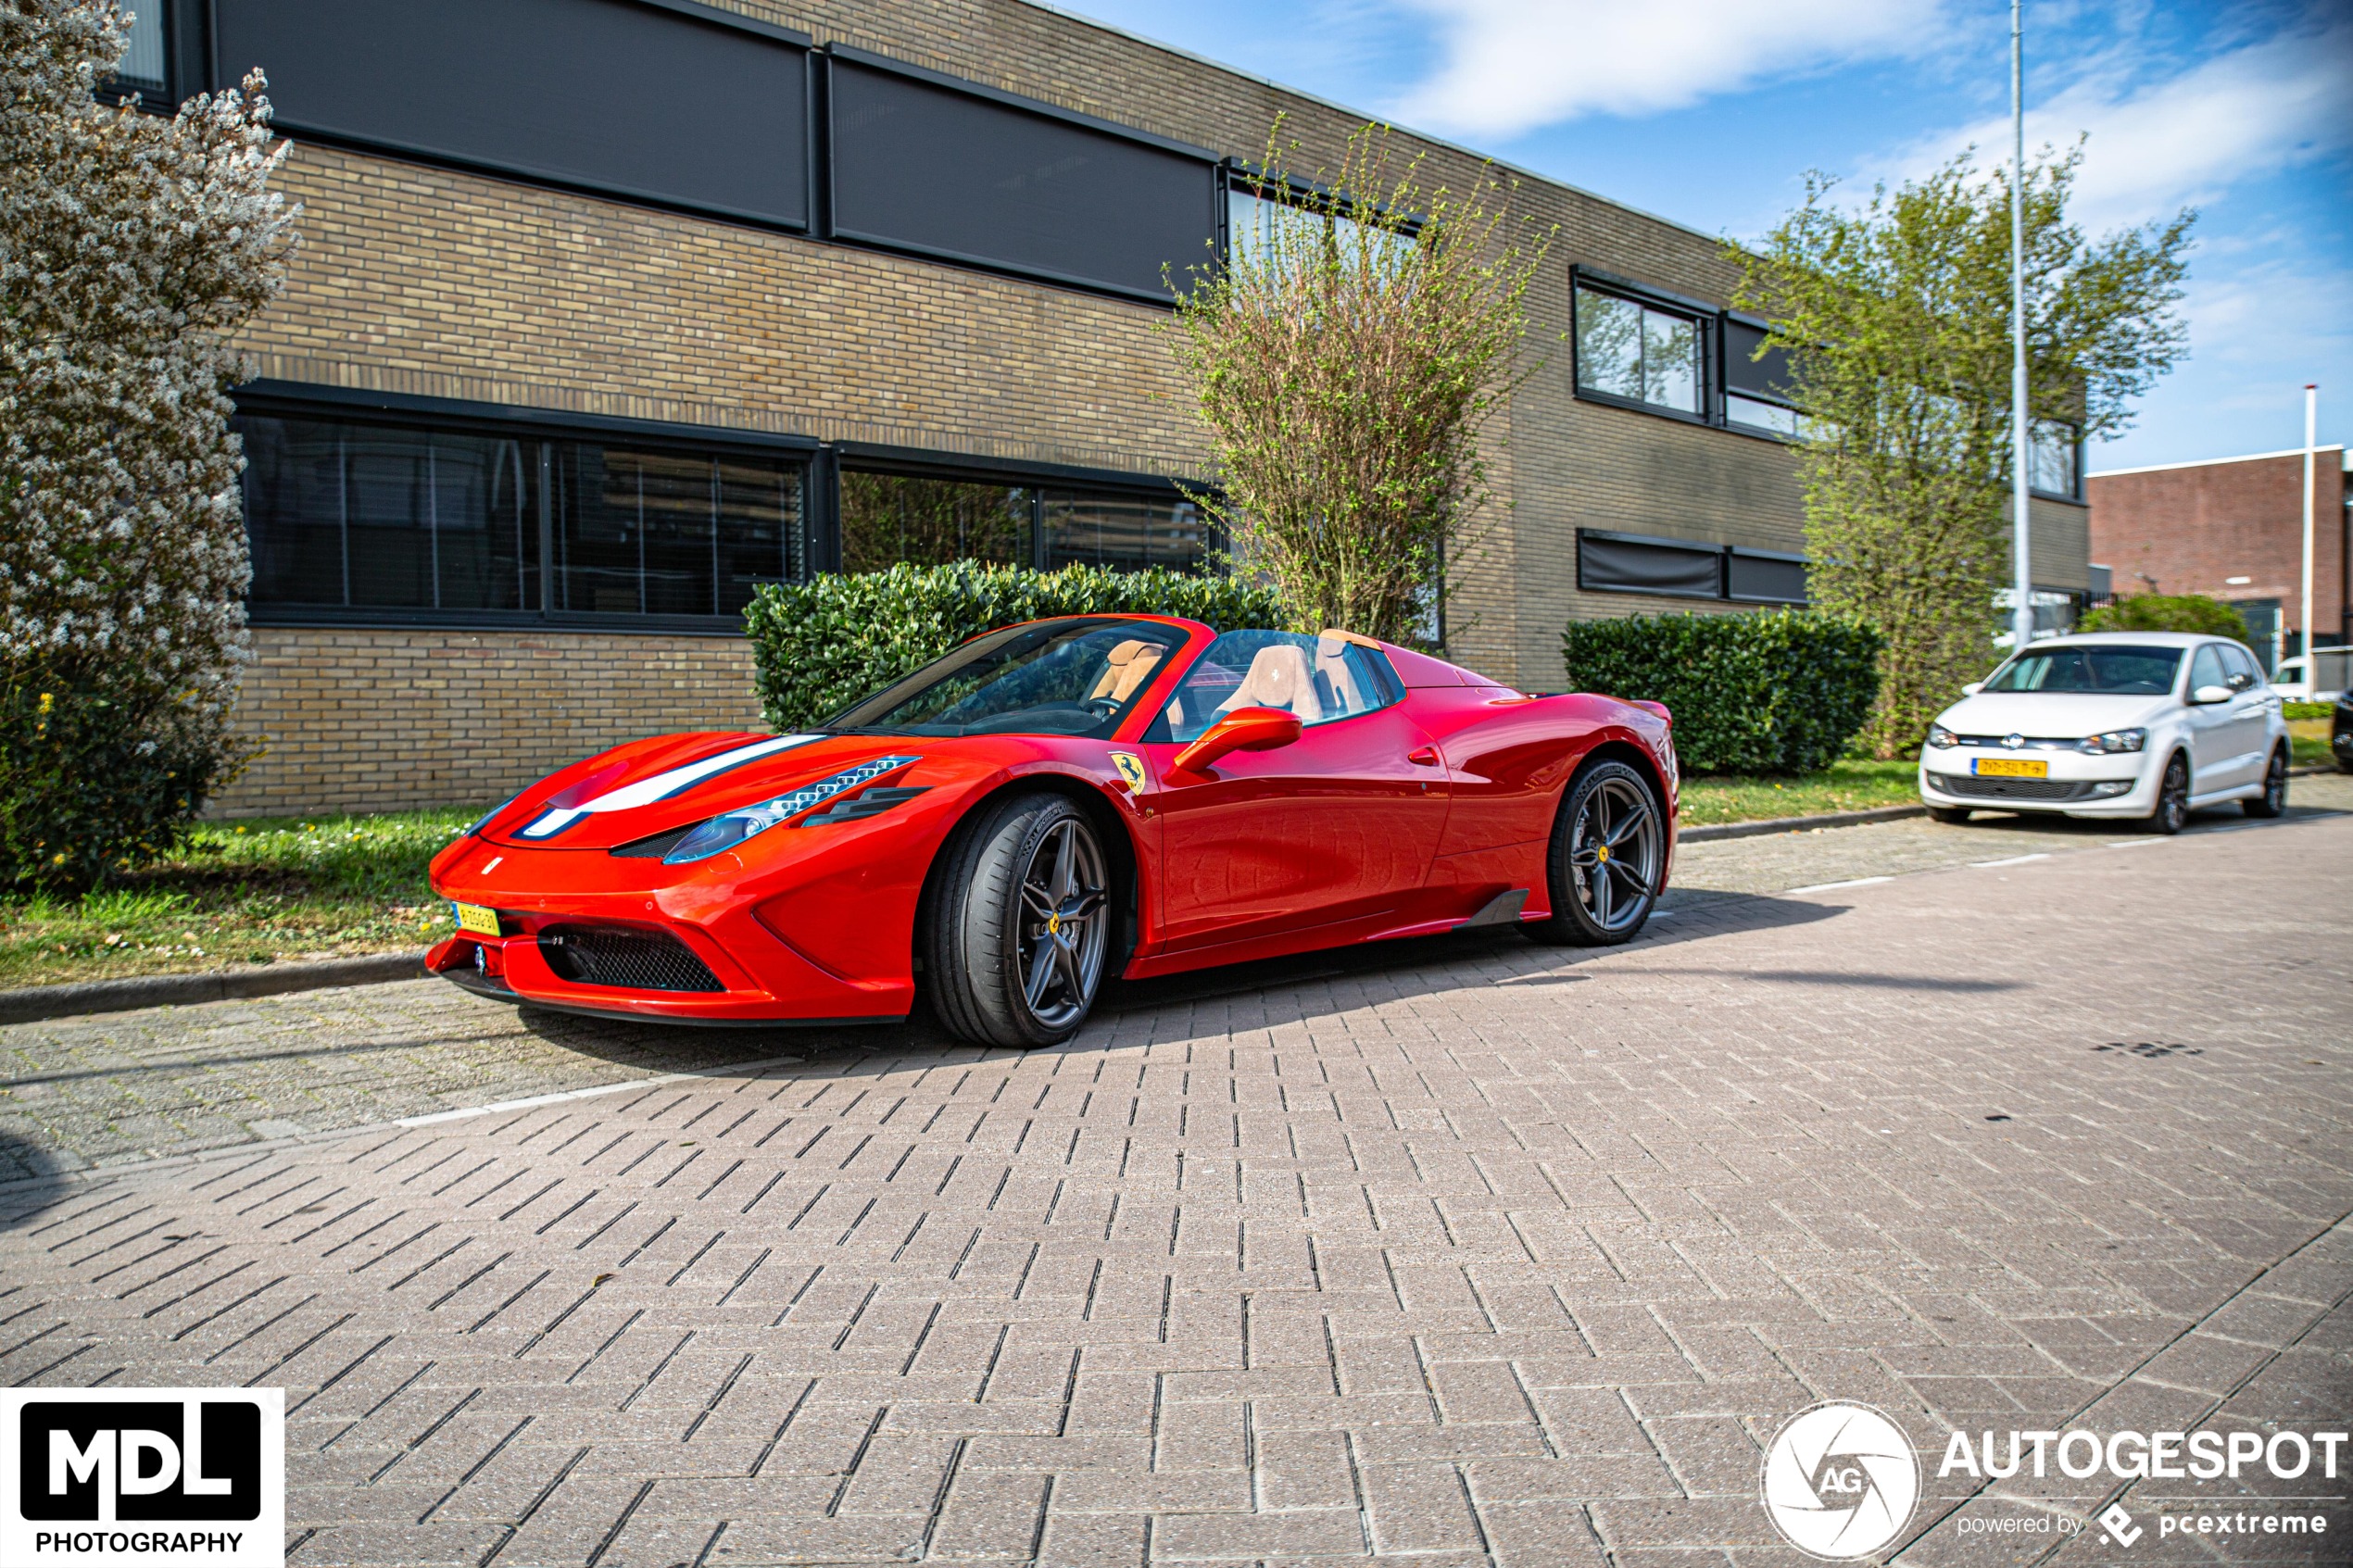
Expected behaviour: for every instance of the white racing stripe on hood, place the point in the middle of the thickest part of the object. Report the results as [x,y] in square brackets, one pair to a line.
[661,786]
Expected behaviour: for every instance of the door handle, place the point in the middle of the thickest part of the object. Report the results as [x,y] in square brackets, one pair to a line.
[1423,756]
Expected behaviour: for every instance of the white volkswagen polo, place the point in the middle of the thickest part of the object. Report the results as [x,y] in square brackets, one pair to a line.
[2115,724]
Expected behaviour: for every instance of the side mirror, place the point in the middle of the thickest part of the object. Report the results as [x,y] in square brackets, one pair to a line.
[1245,729]
[2206,695]
[1973,688]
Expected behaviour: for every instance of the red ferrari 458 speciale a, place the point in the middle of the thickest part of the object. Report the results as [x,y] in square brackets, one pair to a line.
[1054,802]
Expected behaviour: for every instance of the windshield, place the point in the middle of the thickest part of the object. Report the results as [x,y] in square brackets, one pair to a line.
[1053,678]
[2117,670]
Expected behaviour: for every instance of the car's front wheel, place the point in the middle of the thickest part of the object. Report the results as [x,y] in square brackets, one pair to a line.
[2273,800]
[1951,816]
[1019,923]
[1607,856]
[2172,810]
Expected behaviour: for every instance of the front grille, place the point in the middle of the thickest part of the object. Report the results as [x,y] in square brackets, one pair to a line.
[2033,743]
[613,955]
[2011,789]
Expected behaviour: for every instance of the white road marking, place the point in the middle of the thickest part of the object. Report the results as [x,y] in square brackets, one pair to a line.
[500,1107]
[2013,860]
[1834,886]
[2129,842]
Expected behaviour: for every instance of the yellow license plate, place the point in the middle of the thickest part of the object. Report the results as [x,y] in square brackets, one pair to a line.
[2012,768]
[474,917]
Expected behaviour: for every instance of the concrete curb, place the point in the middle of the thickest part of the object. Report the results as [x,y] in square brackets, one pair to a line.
[36,1002]
[1796,824]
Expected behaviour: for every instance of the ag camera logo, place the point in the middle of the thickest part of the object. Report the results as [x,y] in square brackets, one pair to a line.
[1841,1480]
[92,1478]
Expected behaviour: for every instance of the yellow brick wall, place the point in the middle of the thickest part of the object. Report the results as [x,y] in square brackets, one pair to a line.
[380,720]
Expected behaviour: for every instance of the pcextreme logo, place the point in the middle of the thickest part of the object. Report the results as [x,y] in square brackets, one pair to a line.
[143,1477]
[1841,1480]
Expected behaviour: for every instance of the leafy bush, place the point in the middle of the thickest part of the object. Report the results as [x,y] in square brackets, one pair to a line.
[1776,693]
[2167,612]
[95,779]
[2307,709]
[820,646]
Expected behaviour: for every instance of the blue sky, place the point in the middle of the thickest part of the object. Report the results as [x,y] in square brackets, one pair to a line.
[1710,111]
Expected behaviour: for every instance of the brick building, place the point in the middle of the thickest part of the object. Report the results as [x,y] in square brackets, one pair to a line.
[608,311]
[2232,529]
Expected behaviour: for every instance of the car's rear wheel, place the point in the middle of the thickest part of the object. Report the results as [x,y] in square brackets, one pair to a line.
[2172,810]
[2273,800]
[1019,922]
[1608,855]
[1951,816]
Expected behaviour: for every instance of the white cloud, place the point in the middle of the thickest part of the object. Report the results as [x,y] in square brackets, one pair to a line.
[2185,140]
[1514,65]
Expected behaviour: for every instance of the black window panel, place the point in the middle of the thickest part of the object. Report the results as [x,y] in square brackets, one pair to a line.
[1123,532]
[632,98]
[927,168]
[1768,377]
[889,518]
[1765,578]
[758,532]
[295,510]
[1631,567]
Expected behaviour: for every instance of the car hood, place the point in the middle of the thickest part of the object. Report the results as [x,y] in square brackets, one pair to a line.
[652,786]
[2050,715]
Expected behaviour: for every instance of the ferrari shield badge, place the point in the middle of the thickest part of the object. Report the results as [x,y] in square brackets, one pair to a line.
[1131,767]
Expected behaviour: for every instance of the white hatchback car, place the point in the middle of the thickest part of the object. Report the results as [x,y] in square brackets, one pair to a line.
[2115,725]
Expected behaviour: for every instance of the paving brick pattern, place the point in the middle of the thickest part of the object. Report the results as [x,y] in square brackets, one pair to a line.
[1478,1254]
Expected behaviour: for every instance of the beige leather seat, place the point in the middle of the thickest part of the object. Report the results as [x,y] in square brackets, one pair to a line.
[1127,667]
[1279,678]
[1332,668]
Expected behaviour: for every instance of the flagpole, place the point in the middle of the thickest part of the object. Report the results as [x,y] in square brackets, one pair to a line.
[2311,429]
[2021,438]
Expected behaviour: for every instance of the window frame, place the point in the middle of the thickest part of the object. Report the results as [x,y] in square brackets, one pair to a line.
[2075,462]
[540,426]
[1238,174]
[1705,329]
[1724,555]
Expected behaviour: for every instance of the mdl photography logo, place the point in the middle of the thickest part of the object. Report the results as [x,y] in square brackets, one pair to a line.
[1841,1480]
[143,1477]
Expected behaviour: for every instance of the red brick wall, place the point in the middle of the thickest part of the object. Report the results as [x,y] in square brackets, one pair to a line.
[2195,527]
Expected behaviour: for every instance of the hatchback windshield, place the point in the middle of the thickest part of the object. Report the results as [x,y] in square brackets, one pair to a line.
[2118,669]
[1053,678]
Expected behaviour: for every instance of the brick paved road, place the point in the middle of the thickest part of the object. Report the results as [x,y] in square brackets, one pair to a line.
[1472,1253]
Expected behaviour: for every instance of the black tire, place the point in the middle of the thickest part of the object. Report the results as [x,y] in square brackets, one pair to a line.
[2273,800]
[1951,816]
[1606,858]
[2172,813]
[1024,882]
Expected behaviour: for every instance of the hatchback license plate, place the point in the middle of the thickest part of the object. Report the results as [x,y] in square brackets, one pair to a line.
[2012,768]
[474,917]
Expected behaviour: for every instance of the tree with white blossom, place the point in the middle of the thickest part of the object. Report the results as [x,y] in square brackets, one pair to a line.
[132,249]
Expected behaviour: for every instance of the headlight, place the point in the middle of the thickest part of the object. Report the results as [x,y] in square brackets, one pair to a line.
[2116,740]
[726,831]
[1941,737]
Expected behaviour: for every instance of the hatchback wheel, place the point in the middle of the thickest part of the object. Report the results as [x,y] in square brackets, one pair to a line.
[2273,800]
[1951,816]
[1018,925]
[1609,852]
[2173,813]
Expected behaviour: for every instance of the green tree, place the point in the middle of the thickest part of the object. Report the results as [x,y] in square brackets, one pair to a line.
[2169,612]
[132,250]
[1895,316]
[1346,361]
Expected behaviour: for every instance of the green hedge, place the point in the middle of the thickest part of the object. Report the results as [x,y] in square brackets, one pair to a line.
[95,780]
[2167,612]
[820,646]
[1772,693]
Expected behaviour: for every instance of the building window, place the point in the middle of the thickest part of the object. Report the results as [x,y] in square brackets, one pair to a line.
[353,516]
[2051,466]
[1686,569]
[1258,216]
[1638,352]
[890,518]
[142,68]
[1759,386]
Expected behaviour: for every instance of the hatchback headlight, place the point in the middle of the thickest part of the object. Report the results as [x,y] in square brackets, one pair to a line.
[1941,737]
[731,828]
[2116,741]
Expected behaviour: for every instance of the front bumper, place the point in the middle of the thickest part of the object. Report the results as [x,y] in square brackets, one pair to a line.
[2121,785]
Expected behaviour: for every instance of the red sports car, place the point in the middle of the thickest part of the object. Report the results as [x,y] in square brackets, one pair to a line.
[1054,801]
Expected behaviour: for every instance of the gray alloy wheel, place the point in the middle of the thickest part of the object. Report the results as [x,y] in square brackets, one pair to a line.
[1951,816]
[1607,856]
[1019,923]
[2173,811]
[2273,800]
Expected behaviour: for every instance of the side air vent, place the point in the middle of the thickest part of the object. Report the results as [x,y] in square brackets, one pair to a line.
[871,803]
[622,955]
[653,848]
